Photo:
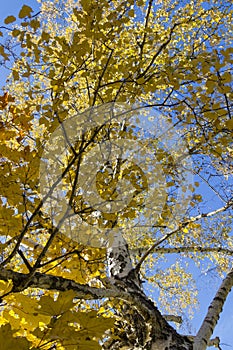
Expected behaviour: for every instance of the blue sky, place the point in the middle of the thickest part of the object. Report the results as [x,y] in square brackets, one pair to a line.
[207,287]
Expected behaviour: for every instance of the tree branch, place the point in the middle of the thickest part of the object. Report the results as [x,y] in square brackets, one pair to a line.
[186,249]
[50,282]
[181,226]
[173,318]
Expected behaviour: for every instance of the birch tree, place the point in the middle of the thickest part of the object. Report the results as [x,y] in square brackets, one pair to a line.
[116,157]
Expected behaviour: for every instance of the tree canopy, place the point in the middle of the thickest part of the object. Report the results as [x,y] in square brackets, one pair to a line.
[116,172]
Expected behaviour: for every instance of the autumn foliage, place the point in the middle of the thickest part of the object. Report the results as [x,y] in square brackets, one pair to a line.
[81,61]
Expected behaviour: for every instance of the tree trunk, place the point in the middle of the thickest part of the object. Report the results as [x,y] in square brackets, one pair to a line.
[140,325]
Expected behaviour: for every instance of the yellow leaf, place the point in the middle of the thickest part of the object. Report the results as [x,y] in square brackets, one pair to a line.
[9,19]
[5,287]
[101,310]
[185,230]
[3,54]
[131,13]
[35,24]
[15,74]
[227,77]
[9,341]
[140,81]
[15,33]
[229,124]
[25,11]
[50,307]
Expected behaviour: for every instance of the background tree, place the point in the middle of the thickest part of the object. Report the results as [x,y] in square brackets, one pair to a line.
[83,75]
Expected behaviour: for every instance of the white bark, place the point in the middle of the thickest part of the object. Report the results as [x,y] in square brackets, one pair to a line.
[119,261]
